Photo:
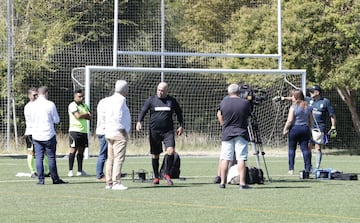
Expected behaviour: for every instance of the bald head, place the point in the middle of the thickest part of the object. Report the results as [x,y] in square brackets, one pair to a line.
[122,87]
[233,89]
[162,90]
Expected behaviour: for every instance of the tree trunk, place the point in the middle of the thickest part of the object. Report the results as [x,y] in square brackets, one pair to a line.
[349,97]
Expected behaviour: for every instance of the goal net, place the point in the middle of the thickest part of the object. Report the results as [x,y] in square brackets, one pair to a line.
[199,94]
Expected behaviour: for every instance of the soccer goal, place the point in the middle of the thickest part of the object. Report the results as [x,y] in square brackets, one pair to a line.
[199,92]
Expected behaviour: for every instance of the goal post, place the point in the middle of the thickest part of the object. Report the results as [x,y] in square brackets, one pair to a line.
[198,91]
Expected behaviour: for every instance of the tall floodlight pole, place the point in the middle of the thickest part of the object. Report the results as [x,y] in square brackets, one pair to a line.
[8,72]
[279,36]
[162,37]
[116,27]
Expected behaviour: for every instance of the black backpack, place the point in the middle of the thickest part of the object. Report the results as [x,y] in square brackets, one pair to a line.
[254,175]
[175,168]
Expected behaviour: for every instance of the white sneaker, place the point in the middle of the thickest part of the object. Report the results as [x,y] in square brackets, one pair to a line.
[70,174]
[119,187]
[81,174]
[291,172]
[108,186]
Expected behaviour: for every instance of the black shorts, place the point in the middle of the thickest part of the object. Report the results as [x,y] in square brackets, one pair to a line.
[159,137]
[29,142]
[78,140]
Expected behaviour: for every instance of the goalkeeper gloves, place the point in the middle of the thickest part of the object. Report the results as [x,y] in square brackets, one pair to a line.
[278,98]
[332,132]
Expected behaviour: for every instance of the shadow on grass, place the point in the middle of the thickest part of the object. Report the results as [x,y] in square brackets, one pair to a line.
[336,152]
[295,181]
[281,187]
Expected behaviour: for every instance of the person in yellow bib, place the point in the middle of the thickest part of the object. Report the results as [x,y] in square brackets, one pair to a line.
[79,113]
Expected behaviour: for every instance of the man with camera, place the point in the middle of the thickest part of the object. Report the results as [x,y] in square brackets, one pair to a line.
[233,115]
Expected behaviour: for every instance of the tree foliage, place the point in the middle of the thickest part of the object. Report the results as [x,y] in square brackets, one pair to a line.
[327,35]
[322,37]
[41,27]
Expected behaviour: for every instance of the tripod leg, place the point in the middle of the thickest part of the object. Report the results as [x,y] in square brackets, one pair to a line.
[255,139]
[266,169]
[256,153]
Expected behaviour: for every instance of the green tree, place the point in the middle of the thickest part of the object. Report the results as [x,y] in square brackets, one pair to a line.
[322,37]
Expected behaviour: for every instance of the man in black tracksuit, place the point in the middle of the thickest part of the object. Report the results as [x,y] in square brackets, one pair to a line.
[162,106]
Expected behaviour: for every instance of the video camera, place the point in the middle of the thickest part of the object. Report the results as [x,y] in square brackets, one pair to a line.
[255,96]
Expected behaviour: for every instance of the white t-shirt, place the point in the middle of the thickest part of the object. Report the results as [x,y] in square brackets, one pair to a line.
[43,119]
[29,107]
[101,114]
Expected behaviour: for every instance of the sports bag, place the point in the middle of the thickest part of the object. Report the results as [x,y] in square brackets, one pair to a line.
[253,176]
[344,176]
[316,134]
[175,168]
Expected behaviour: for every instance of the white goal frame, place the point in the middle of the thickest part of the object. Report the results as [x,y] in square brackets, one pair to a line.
[88,70]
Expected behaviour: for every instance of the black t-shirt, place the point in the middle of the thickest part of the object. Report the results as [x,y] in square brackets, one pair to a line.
[235,112]
[161,113]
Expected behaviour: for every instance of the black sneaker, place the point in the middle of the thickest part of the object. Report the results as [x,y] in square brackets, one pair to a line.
[244,187]
[60,181]
[222,186]
[217,180]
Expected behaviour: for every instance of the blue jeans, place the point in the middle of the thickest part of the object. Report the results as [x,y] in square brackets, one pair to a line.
[102,157]
[299,134]
[48,147]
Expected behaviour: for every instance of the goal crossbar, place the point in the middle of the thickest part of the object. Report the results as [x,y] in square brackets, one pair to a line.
[196,70]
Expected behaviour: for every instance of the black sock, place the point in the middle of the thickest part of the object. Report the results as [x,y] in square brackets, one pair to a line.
[71,160]
[80,158]
[155,165]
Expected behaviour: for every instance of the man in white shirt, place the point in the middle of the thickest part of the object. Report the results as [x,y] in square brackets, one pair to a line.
[118,124]
[44,135]
[100,133]
[32,95]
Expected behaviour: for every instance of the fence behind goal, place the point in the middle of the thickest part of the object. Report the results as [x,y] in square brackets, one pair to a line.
[199,95]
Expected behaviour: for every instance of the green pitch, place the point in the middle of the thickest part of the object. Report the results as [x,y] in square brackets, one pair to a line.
[193,199]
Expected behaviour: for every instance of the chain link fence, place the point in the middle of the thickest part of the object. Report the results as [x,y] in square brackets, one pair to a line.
[65,58]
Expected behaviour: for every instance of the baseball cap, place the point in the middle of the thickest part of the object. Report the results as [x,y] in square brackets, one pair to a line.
[315,88]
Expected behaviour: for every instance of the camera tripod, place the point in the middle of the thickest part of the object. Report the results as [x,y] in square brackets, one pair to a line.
[255,140]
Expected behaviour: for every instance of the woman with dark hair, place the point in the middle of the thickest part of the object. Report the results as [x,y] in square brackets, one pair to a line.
[297,127]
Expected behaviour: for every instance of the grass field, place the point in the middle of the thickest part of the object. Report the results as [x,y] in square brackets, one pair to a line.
[194,199]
